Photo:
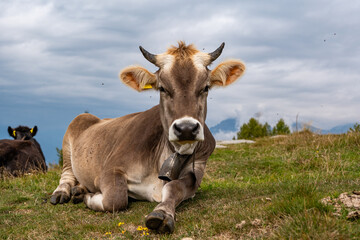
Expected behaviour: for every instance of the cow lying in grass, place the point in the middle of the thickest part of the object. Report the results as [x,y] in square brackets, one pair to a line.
[23,154]
[157,155]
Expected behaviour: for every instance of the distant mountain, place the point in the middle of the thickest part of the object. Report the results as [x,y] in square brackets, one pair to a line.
[227,125]
[339,129]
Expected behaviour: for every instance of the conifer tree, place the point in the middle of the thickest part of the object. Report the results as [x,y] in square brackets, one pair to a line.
[253,129]
[281,128]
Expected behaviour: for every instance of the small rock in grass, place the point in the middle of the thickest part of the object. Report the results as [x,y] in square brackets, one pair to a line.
[350,200]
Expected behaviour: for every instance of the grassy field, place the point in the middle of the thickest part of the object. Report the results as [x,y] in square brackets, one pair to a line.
[267,190]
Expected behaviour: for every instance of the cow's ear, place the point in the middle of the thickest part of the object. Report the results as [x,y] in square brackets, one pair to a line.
[33,131]
[12,132]
[226,73]
[138,78]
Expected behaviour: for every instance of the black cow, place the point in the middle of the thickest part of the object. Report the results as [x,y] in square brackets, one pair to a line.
[23,154]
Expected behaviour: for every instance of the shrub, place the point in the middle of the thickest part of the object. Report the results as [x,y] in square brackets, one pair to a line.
[281,128]
[60,156]
[355,128]
[253,129]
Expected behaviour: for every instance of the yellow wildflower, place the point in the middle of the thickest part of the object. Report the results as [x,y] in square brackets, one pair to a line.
[123,231]
[108,233]
[120,223]
[140,228]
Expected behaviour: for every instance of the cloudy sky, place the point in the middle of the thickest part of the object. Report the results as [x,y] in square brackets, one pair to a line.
[61,58]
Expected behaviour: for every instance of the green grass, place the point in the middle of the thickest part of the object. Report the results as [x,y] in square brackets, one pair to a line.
[279,181]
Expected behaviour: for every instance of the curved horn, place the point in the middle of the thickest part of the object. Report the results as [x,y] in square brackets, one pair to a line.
[149,56]
[215,54]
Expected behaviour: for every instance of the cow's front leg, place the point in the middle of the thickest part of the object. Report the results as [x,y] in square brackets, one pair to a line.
[162,219]
[113,196]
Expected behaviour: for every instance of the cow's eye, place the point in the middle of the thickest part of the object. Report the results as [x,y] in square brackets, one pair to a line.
[161,89]
[166,92]
[205,90]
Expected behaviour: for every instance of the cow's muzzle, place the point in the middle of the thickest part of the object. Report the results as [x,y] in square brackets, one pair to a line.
[186,130]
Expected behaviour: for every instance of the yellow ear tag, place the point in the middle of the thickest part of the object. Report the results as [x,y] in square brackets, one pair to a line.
[147,86]
[14,133]
[31,130]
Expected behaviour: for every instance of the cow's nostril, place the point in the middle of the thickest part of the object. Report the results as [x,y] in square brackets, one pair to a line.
[177,130]
[196,129]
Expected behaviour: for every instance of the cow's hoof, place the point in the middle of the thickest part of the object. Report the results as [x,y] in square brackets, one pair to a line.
[78,194]
[78,199]
[160,221]
[59,197]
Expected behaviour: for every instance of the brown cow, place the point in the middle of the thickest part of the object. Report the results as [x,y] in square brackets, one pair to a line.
[23,154]
[106,161]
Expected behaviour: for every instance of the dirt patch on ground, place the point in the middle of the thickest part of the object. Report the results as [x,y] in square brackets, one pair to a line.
[349,201]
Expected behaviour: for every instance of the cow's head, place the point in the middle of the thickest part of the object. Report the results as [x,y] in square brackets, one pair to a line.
[22,132]
[183,80]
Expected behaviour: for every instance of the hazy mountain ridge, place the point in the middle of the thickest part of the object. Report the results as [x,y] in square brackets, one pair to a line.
[339,129]
[227,125]
[230,125]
